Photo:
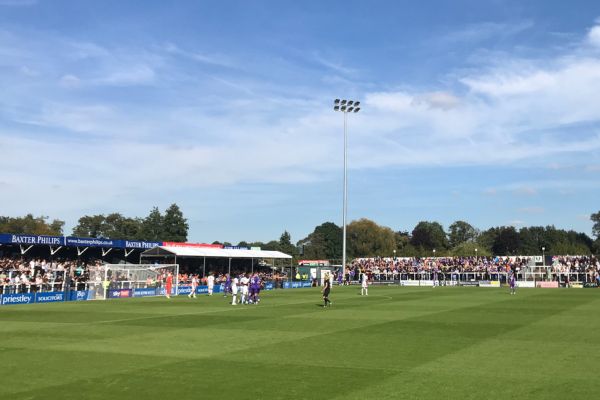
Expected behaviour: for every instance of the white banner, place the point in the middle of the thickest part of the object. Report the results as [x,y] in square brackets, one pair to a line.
[409,283]
[526,284]
[489,284]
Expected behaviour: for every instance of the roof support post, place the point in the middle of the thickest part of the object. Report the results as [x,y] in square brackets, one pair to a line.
[53,251]
[25,250]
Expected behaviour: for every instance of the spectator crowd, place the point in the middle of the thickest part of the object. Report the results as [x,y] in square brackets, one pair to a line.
[582,268]
[22,274]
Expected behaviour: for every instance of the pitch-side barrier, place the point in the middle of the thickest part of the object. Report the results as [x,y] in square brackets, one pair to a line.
[483,279]
[21,294]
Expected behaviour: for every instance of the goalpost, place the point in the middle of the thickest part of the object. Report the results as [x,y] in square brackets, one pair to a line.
[134,280]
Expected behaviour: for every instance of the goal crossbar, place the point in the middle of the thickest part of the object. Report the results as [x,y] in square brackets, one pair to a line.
[135,276]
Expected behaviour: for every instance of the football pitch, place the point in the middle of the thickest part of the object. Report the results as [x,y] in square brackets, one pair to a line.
[397,343]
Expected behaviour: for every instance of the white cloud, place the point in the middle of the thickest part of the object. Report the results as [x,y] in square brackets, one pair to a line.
[128,76]
[442,100]
[75,118]
[526,191]
[594,35]
[70,81]
[517,83]
[487,30]
[205,58]
[27,71]
[516,112]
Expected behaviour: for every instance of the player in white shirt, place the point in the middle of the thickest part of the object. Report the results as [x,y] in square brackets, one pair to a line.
[364,286]
[194,286]
[234,290]
[211,284]
[244,282]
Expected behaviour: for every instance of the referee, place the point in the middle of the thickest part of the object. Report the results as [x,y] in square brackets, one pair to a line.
[326,290]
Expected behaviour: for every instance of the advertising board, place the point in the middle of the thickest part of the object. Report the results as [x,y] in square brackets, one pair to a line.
[82,295]
[576,285]
[409,283]
[547,285]
[119,293]
[493,284]
[144,292]
[525,284]
[17,298]
[49,297]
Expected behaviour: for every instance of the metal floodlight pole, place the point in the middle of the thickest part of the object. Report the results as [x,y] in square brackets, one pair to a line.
[345,106]
[543,256]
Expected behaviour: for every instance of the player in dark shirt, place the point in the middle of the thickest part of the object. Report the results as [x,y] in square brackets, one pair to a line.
[512,283]
[326,290]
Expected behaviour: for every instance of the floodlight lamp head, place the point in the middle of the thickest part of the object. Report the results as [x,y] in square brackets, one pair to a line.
[343,102]
[350,102]
[350,109]
[356,103]
[336,108]
[343,108]
[336,102]
[356,109]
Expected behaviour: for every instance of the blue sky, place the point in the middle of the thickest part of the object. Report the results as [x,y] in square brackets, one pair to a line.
[485,111]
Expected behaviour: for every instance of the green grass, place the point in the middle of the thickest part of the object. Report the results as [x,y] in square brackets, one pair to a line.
[398,343]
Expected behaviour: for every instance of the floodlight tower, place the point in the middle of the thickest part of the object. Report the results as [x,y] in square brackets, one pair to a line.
[345,106]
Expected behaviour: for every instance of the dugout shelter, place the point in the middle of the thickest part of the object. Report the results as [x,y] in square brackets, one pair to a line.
[207,258]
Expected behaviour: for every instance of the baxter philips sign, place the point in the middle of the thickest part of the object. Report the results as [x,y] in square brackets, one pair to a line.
[141,245]
[32,239]
[9,238]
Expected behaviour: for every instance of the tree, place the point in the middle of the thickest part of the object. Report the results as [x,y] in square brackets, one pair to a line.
[285,244]
[175,226]
[256,244]
[116,226]
[596,228]
[89,226]
[325,242]
[313,247]
[272,245]
[567,248]
[367,239]
[429,235]
[467,249]
[532,239]
[153,225]
[111,226]
[507,241]
[31,225]
[487,238]
[403,246]
[461,232]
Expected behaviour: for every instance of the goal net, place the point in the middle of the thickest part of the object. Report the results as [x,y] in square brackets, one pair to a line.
[134,280]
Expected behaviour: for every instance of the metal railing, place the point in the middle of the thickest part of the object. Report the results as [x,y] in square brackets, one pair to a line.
[464,276]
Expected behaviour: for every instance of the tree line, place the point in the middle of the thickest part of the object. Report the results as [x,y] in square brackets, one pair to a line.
[365,238]
[171,226]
